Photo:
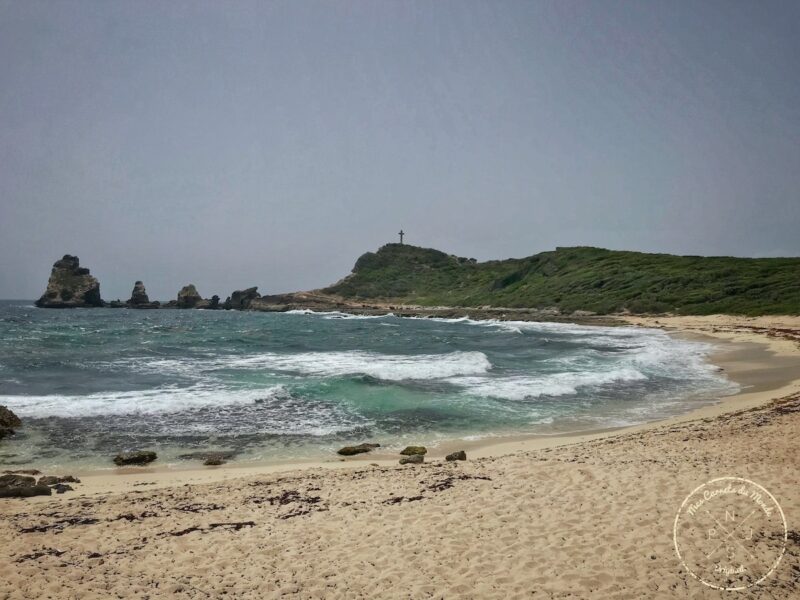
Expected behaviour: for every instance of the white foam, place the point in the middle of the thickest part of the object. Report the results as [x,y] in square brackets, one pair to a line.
[390,367]
[335,314]
[151,401]
[556,384]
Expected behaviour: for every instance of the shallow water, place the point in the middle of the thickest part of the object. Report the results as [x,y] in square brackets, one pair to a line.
[282,386]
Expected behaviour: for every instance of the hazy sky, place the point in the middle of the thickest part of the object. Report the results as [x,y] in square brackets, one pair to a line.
[231,144]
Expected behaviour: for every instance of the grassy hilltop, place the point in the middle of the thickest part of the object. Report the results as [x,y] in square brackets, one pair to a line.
[581,278]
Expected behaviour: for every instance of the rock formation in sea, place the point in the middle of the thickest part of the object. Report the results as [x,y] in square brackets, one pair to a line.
[135,457]
[359,449]
[241,299]
[8,422]
[139,294]
[188,297]
[139,297]
[209,303]
[70,286]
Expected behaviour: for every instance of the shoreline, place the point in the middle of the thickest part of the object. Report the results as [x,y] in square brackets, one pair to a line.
[748,358]
[583,517]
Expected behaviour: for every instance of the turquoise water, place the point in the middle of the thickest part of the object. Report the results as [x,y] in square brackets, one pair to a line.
[91,382]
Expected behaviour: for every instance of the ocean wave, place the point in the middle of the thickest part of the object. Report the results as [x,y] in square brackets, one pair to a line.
[335,314]
[381,366]
[150,401]
[390,367]
[523,387]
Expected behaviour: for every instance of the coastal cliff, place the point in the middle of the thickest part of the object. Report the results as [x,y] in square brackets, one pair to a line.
[70,286]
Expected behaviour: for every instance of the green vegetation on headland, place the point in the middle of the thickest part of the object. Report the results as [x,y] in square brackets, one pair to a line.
[577,279]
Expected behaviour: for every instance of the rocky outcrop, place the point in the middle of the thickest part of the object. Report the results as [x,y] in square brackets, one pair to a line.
[21,486]
[360,449]
[139,297]
[70,286]
[460,455]
[209,454]
[241,299]
[209,304]
[414,450]
[139,457]
[414,459]
[8,422]
[56,479]
[188,297]
[139,294]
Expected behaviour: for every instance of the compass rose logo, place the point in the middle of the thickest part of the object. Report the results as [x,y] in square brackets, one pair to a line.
[730,533]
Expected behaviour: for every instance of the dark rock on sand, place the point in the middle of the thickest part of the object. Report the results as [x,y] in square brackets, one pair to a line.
[70,286]
[460,455]
[23,472]
[214,461]
[25,492]
[414,459]
[360,449]
[188,297]
[241,299]
[60,488]
[14,480]
[54,480]
[414,450]
[21,486]
[140,457]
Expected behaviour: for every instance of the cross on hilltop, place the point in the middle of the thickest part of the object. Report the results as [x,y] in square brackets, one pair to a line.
[401,234]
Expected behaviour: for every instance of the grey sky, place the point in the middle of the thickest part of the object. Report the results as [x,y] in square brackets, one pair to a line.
[231,144]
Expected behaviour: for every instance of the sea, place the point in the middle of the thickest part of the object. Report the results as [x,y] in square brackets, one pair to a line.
[293,386]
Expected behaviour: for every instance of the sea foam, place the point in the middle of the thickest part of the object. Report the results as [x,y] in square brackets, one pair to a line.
[380,366]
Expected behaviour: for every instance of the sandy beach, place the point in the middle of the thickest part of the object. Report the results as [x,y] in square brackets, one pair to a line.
[586,516]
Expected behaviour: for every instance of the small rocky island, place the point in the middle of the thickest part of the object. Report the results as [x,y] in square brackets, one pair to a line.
[139,298]
[70,286]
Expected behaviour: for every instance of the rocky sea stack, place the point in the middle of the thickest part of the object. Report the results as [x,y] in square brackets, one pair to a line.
[139,297]
[188,297]
[70,286]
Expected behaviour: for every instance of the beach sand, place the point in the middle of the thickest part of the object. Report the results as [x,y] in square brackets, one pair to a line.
[587,516]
